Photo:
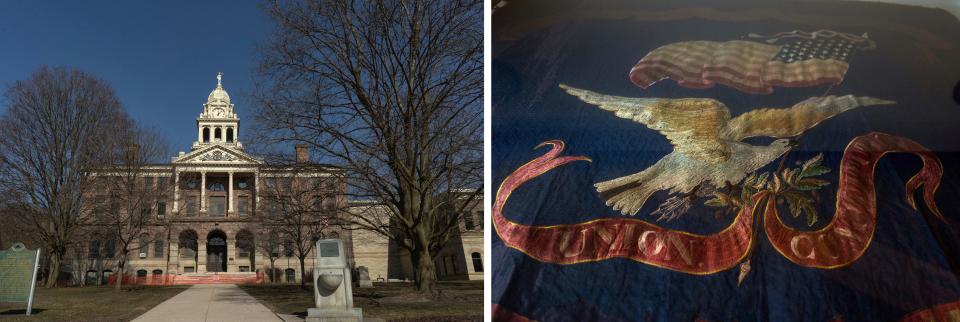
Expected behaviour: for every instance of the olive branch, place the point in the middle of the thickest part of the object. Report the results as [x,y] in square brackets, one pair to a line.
[798,186]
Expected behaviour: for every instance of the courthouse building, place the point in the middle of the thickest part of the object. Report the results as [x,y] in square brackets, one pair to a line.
[207,227]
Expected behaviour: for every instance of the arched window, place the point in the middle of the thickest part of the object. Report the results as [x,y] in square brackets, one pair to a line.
[90,278]
[229,134]
[216,134]
[291,275]
[157,273]
[206,135]
[105,277]
[141,273]
[477,262]
[188,244]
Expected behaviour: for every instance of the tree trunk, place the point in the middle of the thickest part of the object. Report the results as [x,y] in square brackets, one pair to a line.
[425,276]
[303,275]
[118,279]
[54,270]
[273,272]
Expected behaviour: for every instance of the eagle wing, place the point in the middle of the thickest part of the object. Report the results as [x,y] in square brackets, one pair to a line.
[793,121]
[692,125]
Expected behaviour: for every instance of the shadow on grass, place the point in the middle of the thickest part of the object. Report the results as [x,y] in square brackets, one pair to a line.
[457,301]
[21,312]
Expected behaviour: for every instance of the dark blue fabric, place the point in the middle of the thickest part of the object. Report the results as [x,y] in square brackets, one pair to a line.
[906,268]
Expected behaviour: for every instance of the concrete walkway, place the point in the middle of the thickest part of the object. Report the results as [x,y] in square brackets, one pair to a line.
[210,302]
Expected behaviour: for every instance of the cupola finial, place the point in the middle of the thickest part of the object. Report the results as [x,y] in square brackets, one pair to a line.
[219,78]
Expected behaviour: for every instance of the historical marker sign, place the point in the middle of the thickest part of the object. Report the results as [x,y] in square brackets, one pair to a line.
[18,273]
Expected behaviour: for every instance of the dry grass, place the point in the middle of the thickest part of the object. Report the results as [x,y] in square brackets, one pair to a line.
[89,303]
[458,301]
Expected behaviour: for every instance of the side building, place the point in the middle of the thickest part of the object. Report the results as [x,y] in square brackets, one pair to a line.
[461,258]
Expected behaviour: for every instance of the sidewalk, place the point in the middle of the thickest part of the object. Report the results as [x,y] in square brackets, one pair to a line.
[210,302]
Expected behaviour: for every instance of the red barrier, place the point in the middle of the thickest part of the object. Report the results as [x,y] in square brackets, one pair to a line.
[201,278]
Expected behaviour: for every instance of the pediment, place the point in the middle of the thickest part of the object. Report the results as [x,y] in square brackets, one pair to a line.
[217,154]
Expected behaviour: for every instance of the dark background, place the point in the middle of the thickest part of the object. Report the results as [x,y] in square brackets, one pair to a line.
[909,266]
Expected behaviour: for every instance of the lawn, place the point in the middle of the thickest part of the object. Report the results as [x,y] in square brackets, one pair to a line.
[89,303]
[458,301]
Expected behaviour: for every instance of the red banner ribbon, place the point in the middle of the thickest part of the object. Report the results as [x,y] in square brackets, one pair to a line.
[848,235]
[618,237]
[839,243]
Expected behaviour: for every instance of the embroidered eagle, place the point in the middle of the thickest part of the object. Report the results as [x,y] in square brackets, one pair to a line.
[707,142]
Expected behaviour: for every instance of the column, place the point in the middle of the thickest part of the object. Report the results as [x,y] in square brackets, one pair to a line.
[203,192]
[173,264]
[200,134]
[176,189]
[201,255]
[256,190]
[231,252]
[230,195]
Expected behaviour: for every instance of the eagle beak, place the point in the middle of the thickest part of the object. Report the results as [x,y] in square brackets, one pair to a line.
[868,101]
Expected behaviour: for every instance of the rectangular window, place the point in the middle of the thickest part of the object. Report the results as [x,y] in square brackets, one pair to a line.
[330,205]
[110,249]
[158,248]
[244,268]
[218,206]
[243,205]
[274,248]
[161,208]
[191,207]
[188,269]
[148,183]
[468,221]
[94,251]
[479,215]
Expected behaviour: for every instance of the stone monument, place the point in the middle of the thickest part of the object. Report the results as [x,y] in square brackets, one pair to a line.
[332,293]
[363,277]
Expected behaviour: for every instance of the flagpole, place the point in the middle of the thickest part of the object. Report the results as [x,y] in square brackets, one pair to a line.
[33,282]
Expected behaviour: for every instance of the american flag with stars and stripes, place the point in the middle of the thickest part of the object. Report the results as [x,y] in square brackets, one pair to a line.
[789,59]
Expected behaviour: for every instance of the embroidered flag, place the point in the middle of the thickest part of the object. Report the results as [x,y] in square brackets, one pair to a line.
[790,59]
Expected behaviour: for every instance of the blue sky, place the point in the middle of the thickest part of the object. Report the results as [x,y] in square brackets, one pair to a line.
[161,57]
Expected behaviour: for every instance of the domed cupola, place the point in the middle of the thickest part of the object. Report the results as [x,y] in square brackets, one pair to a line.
[218,95]
[218,123]
[218,102]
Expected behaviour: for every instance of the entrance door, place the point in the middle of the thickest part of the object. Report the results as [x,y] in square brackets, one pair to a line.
[216,252]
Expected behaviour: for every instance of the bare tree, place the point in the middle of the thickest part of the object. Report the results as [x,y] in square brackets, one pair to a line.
[294,207]
[130,191]
[390,91]
[268,242]
[55,127]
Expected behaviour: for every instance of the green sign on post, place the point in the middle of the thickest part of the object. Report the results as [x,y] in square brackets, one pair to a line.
[18,274]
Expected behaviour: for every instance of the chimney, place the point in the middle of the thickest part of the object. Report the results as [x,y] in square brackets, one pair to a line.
[302,155]
[133,152]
